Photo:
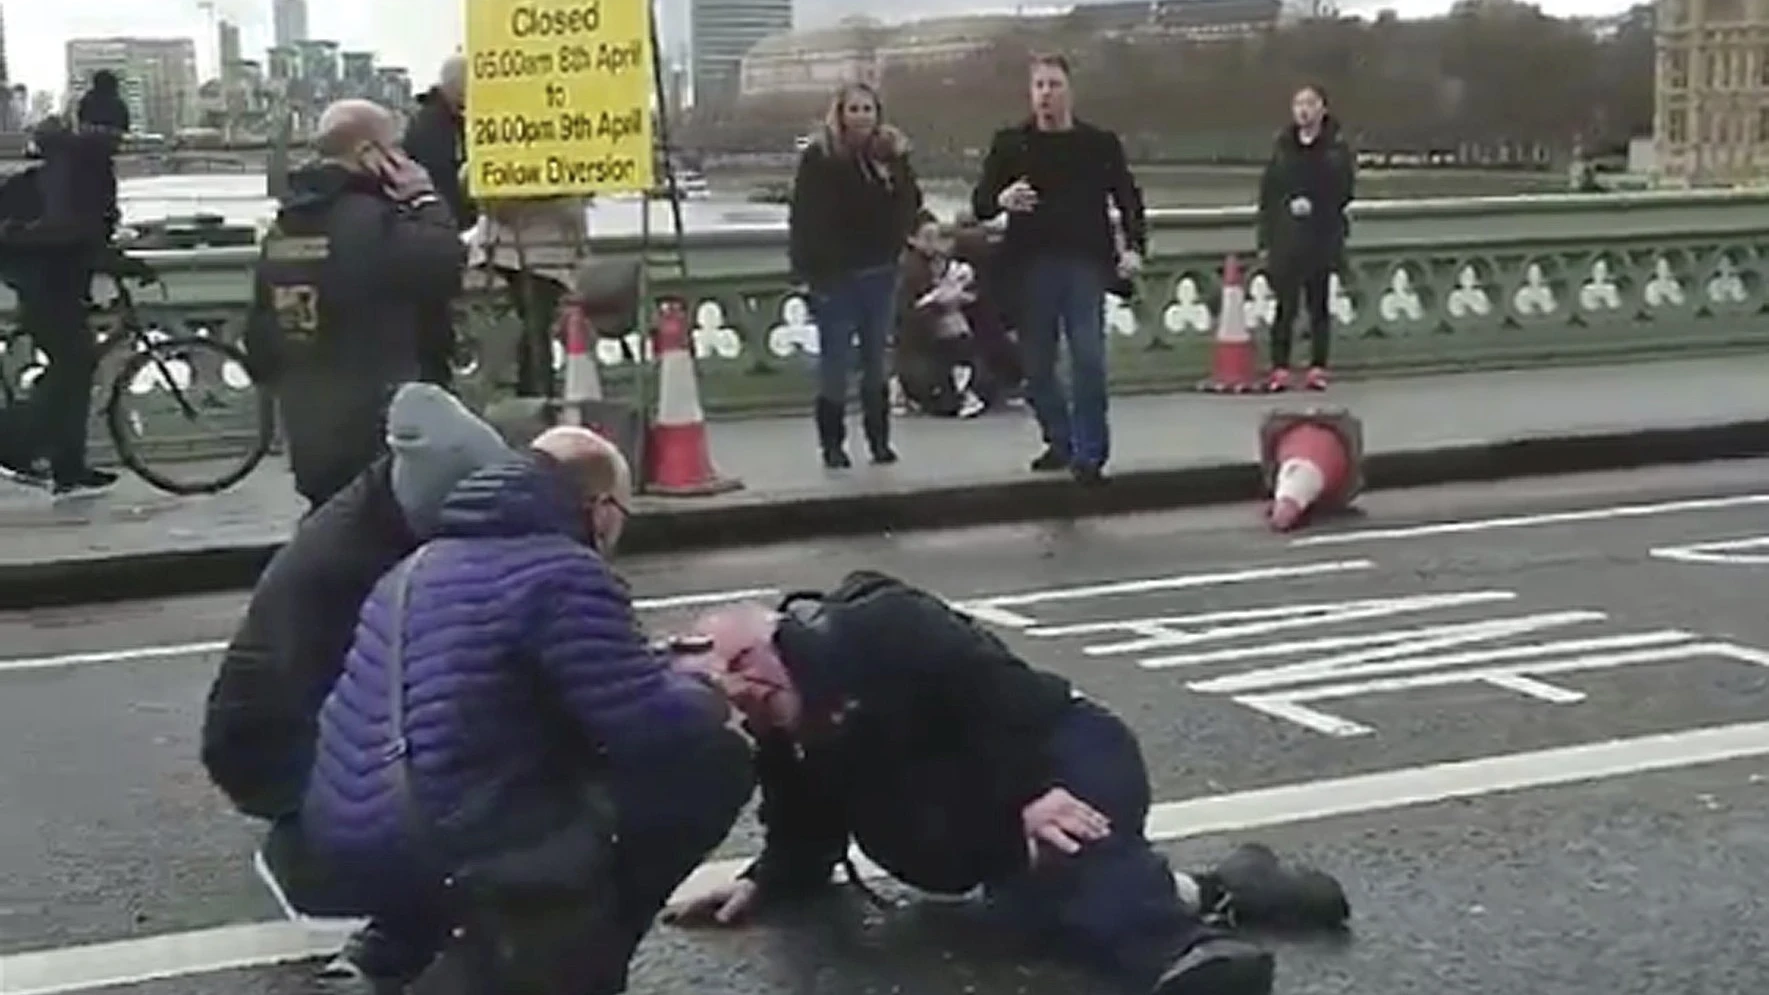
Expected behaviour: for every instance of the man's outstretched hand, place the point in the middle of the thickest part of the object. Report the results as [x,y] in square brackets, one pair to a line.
[1061,820]
[728,905]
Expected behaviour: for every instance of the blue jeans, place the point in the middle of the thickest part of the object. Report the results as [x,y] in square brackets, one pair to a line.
[856,307]
[1112,906]
[1066,298]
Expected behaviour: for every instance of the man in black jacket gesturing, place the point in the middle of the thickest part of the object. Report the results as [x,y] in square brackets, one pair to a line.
[1054,175]
[884,716]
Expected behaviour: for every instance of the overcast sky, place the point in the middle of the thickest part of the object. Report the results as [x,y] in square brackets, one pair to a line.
[417,34]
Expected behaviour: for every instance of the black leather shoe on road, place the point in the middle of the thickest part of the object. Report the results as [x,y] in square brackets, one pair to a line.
[1255,889]
[1221,966]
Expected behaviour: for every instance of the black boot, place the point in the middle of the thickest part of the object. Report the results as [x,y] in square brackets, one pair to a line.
[832,434]
[1253,888]
[1218,966]
[875,414]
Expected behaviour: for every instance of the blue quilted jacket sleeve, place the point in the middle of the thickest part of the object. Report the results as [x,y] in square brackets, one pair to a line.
[624,694]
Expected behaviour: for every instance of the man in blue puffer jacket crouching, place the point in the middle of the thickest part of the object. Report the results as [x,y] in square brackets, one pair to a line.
[514,777]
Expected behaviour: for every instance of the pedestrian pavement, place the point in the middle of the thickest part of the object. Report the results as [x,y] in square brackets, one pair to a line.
[776,458]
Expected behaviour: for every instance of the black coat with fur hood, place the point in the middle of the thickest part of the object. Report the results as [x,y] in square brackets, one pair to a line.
[851,210]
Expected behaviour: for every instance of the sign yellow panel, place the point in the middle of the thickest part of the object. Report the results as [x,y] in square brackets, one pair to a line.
[558,97]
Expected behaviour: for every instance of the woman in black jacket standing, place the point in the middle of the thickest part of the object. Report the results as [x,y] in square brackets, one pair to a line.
[1302,227]
[854,203]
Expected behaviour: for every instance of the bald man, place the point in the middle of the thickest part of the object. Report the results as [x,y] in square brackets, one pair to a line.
[347,283]
[511,775]
[437,138]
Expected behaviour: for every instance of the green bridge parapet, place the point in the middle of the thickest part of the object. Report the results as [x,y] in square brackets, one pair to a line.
[1431,285]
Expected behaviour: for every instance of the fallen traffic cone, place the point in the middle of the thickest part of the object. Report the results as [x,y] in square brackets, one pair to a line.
[1311,461]
[1234,368]
[678,459]
[583,381]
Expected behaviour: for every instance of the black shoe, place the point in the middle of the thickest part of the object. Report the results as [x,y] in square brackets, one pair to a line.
[375,958]
[23,472]
[86,482]
[832,432]
[1088,476]
[1220,966]
[1050,461]
[1254,888]
[875,418]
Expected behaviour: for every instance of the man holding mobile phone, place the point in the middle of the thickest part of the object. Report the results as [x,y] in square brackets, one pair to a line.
[361,249]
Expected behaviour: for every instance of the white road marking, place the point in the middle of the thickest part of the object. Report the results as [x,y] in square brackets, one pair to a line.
[990,609]
[1160,633]
[1526,521]
[133,653]
[1288,705]
[70,969]
[1752,552]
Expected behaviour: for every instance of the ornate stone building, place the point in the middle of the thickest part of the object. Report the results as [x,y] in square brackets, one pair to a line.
[1711,120]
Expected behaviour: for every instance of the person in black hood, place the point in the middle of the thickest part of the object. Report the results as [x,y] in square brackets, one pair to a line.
[361,250]
[854,202]
[1302,227]
[103,112]
[885,716]
[436,139]
[260,724]
[55,223]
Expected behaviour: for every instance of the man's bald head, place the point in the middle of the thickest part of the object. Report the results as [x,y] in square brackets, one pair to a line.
[347,124]
[452,80]
[603,479]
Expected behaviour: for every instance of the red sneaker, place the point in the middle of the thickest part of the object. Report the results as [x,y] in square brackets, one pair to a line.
[1278,380]
[1316,379]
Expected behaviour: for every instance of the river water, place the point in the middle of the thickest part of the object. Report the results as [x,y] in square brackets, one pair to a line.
[240,199]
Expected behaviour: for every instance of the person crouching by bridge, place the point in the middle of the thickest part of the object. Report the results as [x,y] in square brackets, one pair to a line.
[361,248]
[515,779]
[260,722]
[854,202]
[1303,194]
[978,770]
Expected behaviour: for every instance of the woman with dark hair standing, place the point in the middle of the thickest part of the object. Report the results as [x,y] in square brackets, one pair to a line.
[854,203]
[1302,228]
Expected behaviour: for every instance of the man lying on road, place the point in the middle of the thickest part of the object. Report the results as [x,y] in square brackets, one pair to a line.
[260,724]
[884,716]
[512,776]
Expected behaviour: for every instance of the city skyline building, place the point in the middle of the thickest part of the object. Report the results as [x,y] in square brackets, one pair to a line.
[289,22]
[158,78]
[721,33]
[1711,90]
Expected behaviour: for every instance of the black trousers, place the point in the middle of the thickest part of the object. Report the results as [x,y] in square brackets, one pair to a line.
[1301,287]
[52,297]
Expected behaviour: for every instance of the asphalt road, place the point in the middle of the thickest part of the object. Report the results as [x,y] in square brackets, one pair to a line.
[1348,670]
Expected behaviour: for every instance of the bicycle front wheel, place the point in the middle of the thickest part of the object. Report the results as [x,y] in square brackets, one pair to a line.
[187,417]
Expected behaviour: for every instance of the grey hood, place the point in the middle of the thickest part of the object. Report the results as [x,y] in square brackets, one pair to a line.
[436,443]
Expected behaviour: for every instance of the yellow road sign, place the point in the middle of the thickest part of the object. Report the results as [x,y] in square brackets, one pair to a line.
[558,97]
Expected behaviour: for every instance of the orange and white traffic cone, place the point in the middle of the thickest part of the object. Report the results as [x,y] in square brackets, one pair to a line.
[678,459]
[1234,368]
[1311,462]
[583,381]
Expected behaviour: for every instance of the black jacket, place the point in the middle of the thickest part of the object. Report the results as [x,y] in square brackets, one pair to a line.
[437,139]
[1076,173]
[924,738]
[1324,172]
[337,329]
[842,219]
[259,725]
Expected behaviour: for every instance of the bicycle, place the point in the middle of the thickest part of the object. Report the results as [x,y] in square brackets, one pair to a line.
[159,366]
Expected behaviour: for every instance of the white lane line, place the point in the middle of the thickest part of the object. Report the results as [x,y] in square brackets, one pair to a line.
[1752,552]
[70,969]
[133,653]
[997,609]
[1526,521]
